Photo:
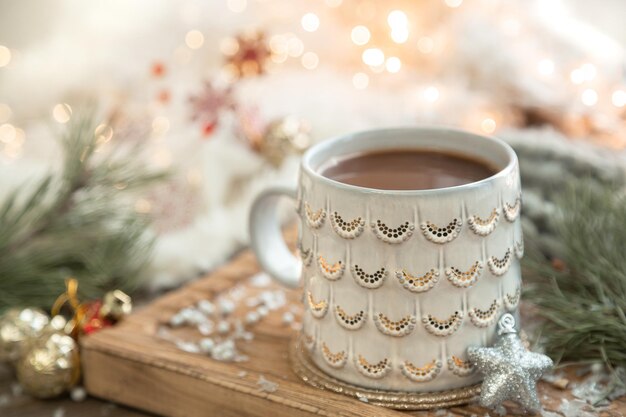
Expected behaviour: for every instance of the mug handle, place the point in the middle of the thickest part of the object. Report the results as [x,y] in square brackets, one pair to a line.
[267,241]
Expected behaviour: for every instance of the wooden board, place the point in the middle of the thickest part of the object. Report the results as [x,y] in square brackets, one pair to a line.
[131,365]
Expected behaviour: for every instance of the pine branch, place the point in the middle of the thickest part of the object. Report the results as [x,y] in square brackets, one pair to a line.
[584,302]
[75,223]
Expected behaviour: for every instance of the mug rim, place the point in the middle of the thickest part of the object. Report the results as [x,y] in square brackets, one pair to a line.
[328,144]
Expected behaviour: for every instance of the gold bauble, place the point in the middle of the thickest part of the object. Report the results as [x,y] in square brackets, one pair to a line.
[50,367]
[18,328]
[283,137]
[116,305]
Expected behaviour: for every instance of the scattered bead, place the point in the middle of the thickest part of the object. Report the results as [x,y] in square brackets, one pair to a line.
[78,394]
[227,307]
[206,307]
[207,344]
[189,347]
[262,311]
[177,320]
[288,317]
[59,412]
[266,385]
[206,329]
[223,327]
[242,374]
[252,317]
[224,351]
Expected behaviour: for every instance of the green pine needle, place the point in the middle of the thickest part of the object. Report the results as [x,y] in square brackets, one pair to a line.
[75,223]
[584,304]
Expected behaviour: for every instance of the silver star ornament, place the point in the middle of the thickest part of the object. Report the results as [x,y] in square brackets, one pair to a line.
[511,372]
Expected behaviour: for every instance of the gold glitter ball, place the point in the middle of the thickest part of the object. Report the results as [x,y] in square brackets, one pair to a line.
[50,367]
[18,328]
[283,137]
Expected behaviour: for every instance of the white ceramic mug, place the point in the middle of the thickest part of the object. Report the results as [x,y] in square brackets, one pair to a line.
[397,284]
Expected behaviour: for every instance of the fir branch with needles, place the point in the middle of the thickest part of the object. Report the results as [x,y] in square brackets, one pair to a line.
[582,297]
[75,223]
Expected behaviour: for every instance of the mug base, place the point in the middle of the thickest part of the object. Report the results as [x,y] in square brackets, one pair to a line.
[304,367]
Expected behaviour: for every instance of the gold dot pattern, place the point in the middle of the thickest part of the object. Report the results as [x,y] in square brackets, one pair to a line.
[336,360]
[391,235]
[499,267]
[459,367]
[418,284]
[398,328]
[376,371]
[444,234]
[443,327]
[366,280]
[464,279]
[484,318]
[347,229]
[350,322]
[424,373]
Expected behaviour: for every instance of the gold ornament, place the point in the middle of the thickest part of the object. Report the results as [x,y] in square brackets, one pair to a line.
[50,367]
[283,137]
[18,328]
[249,55]
[115,306]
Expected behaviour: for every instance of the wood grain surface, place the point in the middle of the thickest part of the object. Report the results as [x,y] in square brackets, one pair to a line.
[130,365]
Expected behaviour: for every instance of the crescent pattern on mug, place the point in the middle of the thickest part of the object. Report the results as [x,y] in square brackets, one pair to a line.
[409,333]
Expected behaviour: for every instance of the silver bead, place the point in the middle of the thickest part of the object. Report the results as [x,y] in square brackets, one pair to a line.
[227,307]
[207,344]
[288,317]
[206,307]
[262,311]
[252,317]
[223,327]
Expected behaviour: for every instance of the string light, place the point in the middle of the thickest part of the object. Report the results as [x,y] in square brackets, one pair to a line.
[393,64]
[310,60]
[397,18]
[229,46]
[589,97]
[162,158]
[585,72]
[295,47]
[237,6]
[400,35]
[619,98]
[5,112]
[398,22]
[160,125]
[454,3]
[104,133]
[5,56]
[589,71]
[577,76]
[334,3]
[360,35]
[545,67]
[430,94]
[360,80]
[488,125]
[7,133]
[425,45]
[143,206]
[194,39]
[310,22]
[373,57]
[62,112]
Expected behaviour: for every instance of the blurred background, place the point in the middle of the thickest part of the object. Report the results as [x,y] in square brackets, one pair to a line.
[225,95]
[134,136]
